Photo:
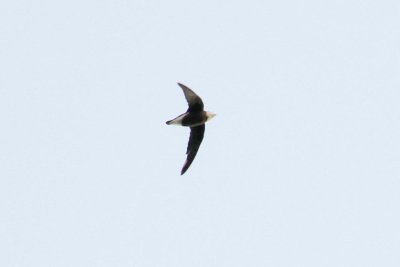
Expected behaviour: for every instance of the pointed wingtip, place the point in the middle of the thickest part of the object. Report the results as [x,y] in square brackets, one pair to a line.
[183,170]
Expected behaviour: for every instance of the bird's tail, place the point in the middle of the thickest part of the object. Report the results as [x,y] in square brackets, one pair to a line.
[177,120]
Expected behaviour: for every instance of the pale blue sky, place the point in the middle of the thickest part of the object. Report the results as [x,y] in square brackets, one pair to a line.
[299,168]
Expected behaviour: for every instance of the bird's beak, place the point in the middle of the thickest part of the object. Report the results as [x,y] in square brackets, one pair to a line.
[211,115]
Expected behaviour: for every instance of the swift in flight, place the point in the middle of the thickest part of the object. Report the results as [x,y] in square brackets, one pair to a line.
[195,118]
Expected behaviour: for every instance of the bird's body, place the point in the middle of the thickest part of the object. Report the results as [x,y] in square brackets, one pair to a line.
[195,118]
[191,119]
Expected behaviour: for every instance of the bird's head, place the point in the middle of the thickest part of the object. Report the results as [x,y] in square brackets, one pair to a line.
[210,115]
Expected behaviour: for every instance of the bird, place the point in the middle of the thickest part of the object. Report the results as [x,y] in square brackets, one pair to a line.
[195,117]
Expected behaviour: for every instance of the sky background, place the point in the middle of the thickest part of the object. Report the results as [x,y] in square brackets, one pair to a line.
[300,167]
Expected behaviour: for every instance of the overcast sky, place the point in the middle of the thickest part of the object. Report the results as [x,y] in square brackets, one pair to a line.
[300,167]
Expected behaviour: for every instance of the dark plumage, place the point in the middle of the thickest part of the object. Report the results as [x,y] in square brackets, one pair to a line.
[195,118]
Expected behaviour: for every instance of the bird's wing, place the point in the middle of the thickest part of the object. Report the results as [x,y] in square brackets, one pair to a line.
[196,136]
[194,101]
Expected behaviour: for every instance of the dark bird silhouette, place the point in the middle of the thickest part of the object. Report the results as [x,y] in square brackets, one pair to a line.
[195,118]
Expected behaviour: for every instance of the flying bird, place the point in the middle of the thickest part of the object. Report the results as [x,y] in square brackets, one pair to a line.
[195,118]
